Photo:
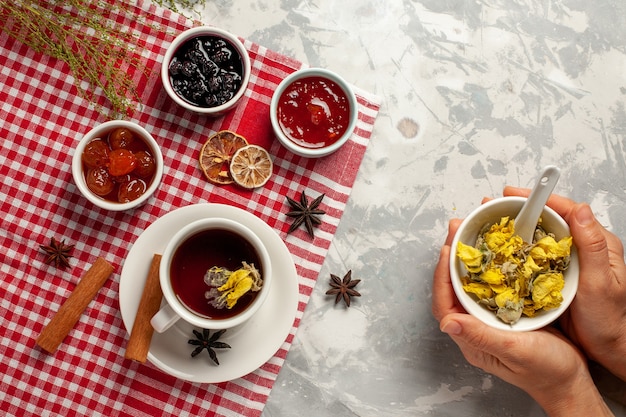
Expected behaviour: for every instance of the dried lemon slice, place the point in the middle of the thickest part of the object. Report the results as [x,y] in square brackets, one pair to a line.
[251,166]
[216,154]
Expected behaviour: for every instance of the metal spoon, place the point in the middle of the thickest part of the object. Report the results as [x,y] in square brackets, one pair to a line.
[528,216]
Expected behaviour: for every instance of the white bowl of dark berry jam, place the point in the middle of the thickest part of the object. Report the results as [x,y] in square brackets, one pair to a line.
[313,112]
[206,70]
[117,165]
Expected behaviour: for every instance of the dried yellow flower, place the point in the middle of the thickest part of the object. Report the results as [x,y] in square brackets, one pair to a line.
[547,290]
[513,277]
[471,257]
[239,283]
[227,287]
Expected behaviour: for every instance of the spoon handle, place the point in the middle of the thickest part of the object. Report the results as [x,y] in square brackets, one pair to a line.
[528,216]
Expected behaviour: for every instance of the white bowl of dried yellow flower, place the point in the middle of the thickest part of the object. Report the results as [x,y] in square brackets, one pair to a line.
[505,282]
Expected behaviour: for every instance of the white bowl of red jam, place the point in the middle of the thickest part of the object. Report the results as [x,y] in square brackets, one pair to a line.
[117,165]
[206,70]
[313,112]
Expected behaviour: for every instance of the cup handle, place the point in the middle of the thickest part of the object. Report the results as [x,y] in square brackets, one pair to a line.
[164,319]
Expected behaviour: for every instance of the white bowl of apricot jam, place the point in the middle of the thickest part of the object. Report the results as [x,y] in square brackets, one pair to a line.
[313,112]
[117,165]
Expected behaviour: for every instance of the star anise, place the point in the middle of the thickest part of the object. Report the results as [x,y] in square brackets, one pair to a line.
[209,342]
[58,253]
[343,288]
[306,213]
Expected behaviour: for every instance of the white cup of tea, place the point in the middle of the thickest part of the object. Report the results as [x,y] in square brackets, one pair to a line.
[192,251]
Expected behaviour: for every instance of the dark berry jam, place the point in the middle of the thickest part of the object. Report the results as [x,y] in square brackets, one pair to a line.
[192,259]
[206,71]
[313,112]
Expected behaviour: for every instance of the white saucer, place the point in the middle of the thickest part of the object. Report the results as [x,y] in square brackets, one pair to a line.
[254,342]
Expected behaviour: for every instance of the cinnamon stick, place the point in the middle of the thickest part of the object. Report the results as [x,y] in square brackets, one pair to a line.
[141,334]
[65,319]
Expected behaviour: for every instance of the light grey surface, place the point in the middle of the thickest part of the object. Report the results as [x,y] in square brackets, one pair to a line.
[476,94]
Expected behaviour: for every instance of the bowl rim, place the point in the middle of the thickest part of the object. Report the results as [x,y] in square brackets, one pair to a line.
[77,165]
[194,33]
[310,72]
[205,224]
[476,219]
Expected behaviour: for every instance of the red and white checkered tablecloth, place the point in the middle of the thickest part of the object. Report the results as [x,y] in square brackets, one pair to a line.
[41,120]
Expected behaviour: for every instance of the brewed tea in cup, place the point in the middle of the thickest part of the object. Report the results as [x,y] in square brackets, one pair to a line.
[215,273]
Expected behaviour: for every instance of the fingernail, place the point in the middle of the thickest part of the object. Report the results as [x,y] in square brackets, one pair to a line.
[452,328]
[584,215]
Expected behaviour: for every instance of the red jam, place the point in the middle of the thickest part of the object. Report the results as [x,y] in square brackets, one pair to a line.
[313,112]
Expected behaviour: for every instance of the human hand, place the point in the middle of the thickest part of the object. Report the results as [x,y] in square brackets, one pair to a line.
[596,319]
[542,363]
